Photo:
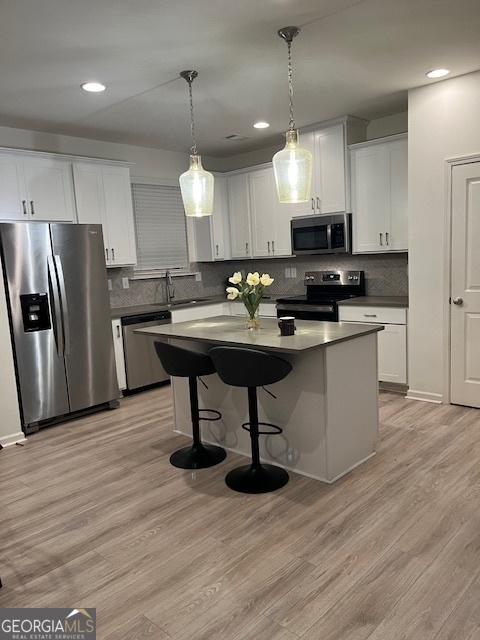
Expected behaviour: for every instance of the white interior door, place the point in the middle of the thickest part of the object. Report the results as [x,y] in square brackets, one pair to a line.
[465,291]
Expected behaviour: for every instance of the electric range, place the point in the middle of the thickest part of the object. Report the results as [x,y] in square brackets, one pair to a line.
[323,291]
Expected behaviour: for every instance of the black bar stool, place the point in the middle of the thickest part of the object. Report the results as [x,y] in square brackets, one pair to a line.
[250,368]
[188,364]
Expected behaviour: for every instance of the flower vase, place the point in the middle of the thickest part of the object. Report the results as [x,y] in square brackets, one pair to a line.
[253,321]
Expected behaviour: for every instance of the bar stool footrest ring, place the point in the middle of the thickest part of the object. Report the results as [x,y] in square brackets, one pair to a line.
[274,429]
[217,414]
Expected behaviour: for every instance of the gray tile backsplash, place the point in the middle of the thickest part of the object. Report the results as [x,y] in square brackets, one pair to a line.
[386,275]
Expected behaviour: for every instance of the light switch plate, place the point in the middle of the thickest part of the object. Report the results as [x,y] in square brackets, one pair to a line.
[198,277]
[125,283]
[110,286]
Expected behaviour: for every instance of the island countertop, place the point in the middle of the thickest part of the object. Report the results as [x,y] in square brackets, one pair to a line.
[231,331]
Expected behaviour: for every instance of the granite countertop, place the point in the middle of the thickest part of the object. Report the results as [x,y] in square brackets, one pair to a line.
[377,301]
[226,330]
[125,312]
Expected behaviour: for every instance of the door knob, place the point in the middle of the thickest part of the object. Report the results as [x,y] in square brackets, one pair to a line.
[458,301]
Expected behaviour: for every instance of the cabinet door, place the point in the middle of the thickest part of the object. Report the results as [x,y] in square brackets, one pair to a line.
[89,197]
[392,354]
[13,199]
[330,170]
[239,215]
[307,141]
[370,190]
[119,354]
[263,206]
[398,226]
[119,215]
[219,222]
[49,187]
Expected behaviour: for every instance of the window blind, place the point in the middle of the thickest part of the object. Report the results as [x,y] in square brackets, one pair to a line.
[160,227]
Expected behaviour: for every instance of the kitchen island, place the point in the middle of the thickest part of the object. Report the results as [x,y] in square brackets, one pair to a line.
[327,406]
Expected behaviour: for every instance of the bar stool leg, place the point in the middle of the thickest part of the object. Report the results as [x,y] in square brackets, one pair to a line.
[255,477]
[198,455]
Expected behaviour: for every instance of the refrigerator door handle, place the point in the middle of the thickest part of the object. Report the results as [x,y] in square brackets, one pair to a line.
[57,325]
[64,304]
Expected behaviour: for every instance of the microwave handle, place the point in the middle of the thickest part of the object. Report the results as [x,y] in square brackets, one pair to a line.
[329,236]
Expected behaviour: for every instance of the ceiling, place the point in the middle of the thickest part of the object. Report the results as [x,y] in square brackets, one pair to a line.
[354,57]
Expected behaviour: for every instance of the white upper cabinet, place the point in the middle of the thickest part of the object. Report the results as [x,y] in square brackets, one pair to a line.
[209,237]
[35,188]
[239,215]
[379,195]
[329,176]
[270,220]
[103,196]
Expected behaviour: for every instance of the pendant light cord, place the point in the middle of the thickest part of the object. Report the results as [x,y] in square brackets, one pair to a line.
[291,125]
[193,148]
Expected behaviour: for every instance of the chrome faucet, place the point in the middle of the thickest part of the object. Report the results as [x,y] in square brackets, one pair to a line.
[169,286]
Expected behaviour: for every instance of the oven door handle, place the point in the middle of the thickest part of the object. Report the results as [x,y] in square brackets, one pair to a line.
[313,308]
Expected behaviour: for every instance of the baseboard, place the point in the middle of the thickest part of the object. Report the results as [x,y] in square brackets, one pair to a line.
[394,387]
[425,396]
[7,441]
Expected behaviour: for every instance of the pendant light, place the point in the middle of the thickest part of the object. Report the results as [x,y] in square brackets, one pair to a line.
[292,165]
[196,184]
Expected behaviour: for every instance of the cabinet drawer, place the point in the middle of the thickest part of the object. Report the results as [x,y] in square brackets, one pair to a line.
[381,315]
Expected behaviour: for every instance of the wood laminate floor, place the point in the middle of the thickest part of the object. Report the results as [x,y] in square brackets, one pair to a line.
[93,515]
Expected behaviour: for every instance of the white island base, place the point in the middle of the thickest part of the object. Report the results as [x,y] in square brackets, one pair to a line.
[327,407]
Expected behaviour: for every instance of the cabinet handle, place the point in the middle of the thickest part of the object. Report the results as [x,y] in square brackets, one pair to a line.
[313,204]
[32,207]
[386,237]
[246,248]
[381,239]
[369,315]
[113,255]
[216,249]
[106,254]
[318,204]
[273,247]
[268,246]
[118,331]
[24,205]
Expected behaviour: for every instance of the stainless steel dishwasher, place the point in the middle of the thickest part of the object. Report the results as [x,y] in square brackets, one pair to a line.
[141,361]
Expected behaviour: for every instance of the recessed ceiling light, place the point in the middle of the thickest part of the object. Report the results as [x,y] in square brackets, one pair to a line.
[93,87]
[261,125]
[437,73]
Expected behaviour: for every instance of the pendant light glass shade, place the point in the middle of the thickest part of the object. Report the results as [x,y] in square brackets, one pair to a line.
[293,171]
[293,164]
[196,186]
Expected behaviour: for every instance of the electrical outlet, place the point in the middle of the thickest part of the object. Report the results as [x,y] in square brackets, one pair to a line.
[293,272]
[198,277]
[125,283]
[110,286]
[287,272]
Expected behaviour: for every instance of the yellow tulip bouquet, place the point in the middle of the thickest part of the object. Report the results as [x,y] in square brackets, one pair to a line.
[250,292]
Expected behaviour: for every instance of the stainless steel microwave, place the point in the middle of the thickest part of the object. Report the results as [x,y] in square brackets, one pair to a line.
[321,234]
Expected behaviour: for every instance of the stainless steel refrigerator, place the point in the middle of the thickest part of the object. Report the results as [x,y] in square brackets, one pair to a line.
[58,303]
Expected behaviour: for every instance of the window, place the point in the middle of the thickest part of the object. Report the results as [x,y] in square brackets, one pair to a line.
[160,227]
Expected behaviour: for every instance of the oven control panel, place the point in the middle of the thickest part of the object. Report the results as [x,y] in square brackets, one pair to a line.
[338,278]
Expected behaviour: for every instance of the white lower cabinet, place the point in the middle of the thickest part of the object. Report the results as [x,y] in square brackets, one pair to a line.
[194,312]
[119,353]
[392,341]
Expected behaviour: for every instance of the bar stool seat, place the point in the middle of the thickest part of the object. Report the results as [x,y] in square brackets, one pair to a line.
[184,363]
[250,368]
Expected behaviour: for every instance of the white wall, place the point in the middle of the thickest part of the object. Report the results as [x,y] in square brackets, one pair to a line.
[153,164]
[444,122]
[10,427]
